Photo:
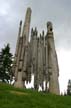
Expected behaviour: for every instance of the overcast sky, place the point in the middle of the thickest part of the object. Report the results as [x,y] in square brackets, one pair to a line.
[56,11]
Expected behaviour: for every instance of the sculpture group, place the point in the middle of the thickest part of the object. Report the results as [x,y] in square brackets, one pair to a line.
[36,56]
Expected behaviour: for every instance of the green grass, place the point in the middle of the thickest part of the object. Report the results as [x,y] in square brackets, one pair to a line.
[11,97]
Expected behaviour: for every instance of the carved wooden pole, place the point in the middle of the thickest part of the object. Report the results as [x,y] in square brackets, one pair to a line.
[16,59]
[21,77]
[34,58]
[52,62]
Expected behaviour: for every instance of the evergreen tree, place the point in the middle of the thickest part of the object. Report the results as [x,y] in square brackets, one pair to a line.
[69,88]
[5,63]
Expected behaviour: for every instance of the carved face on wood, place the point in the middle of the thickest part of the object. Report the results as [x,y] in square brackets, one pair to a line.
[49,26]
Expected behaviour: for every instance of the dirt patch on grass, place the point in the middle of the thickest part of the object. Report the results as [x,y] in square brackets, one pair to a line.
[18,93]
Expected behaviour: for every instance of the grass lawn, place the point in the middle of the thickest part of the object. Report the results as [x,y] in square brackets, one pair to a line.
[11,97]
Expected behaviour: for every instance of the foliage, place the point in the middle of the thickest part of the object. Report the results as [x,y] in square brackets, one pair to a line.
[5,63]
[69,88]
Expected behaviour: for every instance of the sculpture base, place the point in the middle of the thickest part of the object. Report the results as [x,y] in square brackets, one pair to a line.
[19,84]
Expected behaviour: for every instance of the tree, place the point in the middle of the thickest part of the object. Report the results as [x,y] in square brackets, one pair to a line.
[5,63]
[69,88]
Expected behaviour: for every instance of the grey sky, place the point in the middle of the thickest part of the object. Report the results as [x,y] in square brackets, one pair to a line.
[57,11]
